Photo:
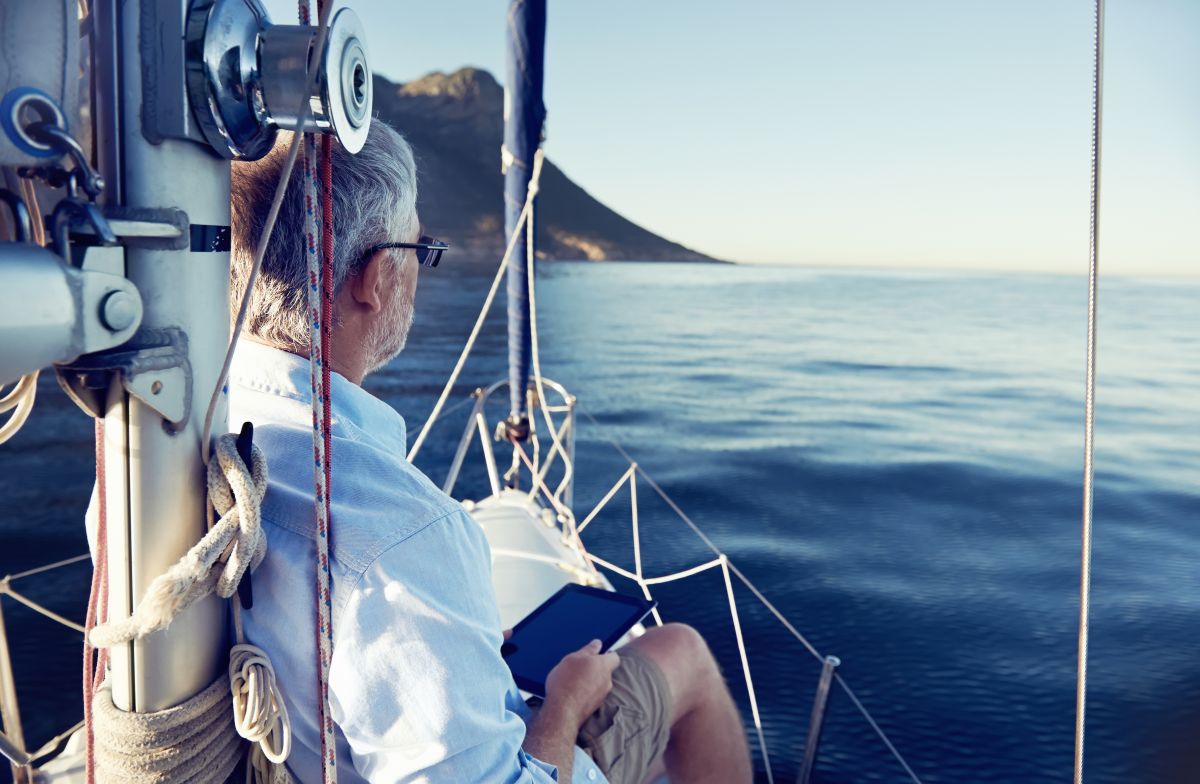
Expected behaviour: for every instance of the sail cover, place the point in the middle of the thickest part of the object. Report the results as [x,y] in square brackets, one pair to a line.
[524,114]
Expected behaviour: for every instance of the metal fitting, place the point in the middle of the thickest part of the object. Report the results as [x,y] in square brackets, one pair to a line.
[23,107]
[248,78]
[119,311]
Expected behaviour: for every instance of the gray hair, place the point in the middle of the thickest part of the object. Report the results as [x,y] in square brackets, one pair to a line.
[374,201]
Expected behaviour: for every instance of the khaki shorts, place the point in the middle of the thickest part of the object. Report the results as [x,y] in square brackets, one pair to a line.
[629,732]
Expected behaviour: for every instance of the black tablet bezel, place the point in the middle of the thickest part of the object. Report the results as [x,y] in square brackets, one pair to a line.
[638,610]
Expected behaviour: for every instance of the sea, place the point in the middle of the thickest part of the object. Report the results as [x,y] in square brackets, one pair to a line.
[894,459]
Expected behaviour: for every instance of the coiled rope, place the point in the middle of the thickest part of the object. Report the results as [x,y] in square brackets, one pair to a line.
[20,401]
[259,714]
[192,742]
[199,740]
[22,396]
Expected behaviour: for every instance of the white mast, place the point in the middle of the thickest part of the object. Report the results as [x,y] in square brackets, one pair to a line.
[140,332]
[154,481]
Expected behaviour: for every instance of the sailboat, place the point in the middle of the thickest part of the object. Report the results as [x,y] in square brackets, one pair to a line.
[117,278]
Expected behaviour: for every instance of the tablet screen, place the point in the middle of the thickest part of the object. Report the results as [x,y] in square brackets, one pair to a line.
[566,622]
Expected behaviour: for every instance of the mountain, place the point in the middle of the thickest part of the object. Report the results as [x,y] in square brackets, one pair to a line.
[454,123]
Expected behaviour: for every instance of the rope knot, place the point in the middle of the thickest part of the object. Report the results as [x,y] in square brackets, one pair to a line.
[215,563]
[236,492]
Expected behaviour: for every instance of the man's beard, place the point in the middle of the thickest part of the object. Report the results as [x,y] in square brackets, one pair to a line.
[387,337]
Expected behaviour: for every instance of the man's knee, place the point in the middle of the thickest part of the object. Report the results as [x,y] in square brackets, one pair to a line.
[685,659]
[685,644]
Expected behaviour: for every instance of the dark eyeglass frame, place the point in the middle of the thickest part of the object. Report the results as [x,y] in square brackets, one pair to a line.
[429,251]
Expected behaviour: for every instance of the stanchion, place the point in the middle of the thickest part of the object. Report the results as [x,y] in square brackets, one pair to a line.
[820,700]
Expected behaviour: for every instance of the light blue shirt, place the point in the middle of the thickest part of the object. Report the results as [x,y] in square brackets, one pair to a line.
[417,687]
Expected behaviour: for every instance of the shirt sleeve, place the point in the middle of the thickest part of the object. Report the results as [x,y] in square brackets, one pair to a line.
[417,684]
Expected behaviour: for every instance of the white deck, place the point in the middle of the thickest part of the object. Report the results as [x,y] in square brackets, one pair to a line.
[531,559]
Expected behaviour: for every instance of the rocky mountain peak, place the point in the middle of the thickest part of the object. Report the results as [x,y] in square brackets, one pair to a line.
[454,123]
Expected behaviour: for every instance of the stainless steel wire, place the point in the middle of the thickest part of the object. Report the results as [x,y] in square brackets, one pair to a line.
[48,567]
[875,726]
[634,466]
[1089,405]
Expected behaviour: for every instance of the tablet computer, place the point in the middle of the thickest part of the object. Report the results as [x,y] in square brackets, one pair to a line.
[564,623]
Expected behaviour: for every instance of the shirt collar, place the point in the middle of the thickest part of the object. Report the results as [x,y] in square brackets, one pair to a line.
[275,371]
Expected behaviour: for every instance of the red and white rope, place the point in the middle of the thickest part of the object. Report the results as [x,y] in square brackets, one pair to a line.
[318,252]
[319,379]
[97,612]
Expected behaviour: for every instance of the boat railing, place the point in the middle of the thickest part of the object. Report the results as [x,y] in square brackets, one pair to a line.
[537,463]
[562,446]
[12,738]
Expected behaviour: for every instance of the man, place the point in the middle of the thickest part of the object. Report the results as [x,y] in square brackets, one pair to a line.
[418,689]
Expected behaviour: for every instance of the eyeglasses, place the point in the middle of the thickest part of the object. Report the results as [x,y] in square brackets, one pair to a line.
[429,251]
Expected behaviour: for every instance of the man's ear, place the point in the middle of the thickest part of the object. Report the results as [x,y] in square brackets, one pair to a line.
[366,287]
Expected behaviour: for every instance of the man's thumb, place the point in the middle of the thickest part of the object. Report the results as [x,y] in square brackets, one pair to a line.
[592,647]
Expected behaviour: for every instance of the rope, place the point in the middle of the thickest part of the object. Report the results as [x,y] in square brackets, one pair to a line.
[23,394]
[237,539]
[187,744]
[217,563]
[317,380]
[50,566]
[319,260]
[666,578]
[97,609]
[709,543]
[21,398]
[729,568]
[447,412]
[741,644]
[259,713]
[535,351]
[487,305]
[565,514]
[625,477]
[1089,416]
[39,609]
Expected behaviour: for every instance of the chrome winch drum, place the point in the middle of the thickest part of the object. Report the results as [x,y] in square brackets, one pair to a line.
[247,78]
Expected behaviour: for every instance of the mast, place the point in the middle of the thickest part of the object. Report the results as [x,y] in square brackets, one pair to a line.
[524,114]
[154,481]
[166,144]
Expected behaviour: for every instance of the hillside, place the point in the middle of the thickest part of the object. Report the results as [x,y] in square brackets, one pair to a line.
[455,125]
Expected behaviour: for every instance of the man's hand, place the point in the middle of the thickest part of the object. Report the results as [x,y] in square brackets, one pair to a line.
[575,688]
[580,682]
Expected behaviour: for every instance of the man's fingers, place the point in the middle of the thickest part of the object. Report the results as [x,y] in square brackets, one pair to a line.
[592,647]
[612,660]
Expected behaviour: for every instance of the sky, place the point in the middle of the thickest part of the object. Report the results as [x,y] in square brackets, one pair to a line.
[923,134]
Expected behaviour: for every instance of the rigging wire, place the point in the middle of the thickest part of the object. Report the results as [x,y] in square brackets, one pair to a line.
[731,569]
[875,726]
[542,403]
[487,304]
[447,412]
[1089,416]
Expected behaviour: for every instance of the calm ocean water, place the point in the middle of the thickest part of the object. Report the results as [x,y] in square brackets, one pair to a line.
[894,459]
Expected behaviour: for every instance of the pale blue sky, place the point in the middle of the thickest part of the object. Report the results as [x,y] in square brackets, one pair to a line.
[931,133]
